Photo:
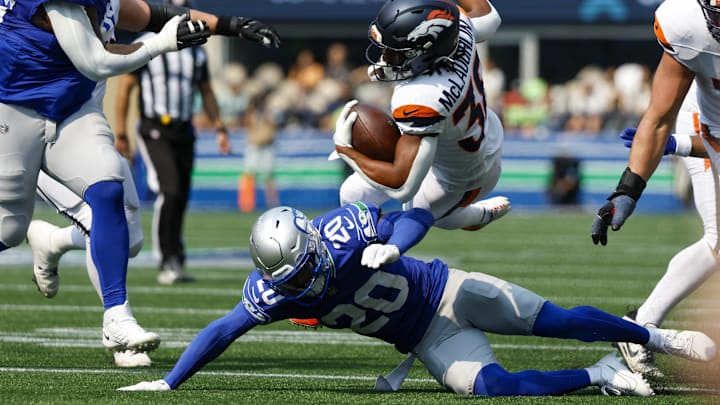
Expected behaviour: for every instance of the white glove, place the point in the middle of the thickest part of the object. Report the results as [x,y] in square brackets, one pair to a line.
[165,40]
[343,125]
[157,385]
[376,255]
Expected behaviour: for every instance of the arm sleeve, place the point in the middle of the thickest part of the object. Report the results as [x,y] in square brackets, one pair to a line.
[404,229]
[209,344]
[485,26]
[86,51]
[421,165]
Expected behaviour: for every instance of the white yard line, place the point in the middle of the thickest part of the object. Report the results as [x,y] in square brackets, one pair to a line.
[243,374]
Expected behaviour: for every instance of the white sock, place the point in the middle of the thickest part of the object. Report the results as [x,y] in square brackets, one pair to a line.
[92,270]
[687,270]
[62,239]
[595,375]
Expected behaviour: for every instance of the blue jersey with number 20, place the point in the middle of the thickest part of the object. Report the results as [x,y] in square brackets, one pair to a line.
[394,303]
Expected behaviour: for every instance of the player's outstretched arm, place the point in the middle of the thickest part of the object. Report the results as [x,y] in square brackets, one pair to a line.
[211,342]
[138,15]
[79,40]
[671,83]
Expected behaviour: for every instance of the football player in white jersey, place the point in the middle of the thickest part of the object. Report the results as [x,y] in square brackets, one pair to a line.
[56,55]
[690,267]
[448,156]
[689,33]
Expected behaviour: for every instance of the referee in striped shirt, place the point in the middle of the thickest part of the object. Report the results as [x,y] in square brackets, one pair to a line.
[168,84]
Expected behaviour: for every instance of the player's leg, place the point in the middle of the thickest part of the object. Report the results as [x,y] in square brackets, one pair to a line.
[686,271]
[266,175]
[85,160]
[590,324]
[169,166]
[23,134]
[457,353]
[355,188]
[690,267]
[461,209]
[50,242]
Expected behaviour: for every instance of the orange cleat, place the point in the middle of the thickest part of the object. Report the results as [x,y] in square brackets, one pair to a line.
[312,323]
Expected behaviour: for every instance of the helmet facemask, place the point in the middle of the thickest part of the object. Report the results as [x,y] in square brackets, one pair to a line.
[307,283]
[711,11]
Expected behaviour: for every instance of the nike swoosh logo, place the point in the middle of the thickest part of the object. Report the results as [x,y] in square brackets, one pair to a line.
[408,113]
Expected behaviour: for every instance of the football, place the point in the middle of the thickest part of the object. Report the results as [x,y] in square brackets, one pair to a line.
[374,133]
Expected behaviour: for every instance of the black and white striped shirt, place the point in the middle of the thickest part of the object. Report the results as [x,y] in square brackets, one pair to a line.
[168,84]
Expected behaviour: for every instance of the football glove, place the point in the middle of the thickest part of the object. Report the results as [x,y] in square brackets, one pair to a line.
[376,255]
[247,28]
[344,124]
[613,214]
[157,385]
[677,144]
[620,206]
[178,33]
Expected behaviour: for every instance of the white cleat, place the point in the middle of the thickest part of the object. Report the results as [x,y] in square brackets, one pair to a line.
[639,359]
[495,208]
[131,359]
[619,380]
[687,344]
[121,332]
[45,257]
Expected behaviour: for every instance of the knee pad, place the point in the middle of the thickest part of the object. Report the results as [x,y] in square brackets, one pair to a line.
[13,229]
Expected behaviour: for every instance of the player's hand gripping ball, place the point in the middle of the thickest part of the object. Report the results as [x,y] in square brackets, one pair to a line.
[374,133]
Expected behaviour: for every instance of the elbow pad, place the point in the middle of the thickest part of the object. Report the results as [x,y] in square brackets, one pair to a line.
[162,13]
[485,26]
[421,165]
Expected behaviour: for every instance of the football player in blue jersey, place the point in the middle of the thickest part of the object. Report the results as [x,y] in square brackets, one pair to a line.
[55,57]
[347,268]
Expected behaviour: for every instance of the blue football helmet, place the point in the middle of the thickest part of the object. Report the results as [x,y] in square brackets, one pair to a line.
[289,251]
[411,37]
[711,10]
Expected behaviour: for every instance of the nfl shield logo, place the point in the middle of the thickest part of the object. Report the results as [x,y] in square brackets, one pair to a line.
[4,128]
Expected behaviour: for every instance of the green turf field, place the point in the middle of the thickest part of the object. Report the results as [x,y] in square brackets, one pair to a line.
[51,352]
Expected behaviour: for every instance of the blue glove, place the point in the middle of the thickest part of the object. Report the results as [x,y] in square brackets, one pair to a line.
[628,134]
[613,214]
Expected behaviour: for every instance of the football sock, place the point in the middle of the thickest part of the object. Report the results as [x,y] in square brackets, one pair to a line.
[493,380]
[67,238]
[588,324]
[109,239]
[92,270]
[687,270]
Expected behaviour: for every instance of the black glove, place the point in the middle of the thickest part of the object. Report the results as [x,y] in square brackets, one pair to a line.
[192,33]
[620,206]
[249,29]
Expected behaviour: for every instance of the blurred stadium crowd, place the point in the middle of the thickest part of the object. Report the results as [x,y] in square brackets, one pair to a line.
[307,93]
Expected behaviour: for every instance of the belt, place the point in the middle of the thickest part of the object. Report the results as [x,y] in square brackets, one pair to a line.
[168,121]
